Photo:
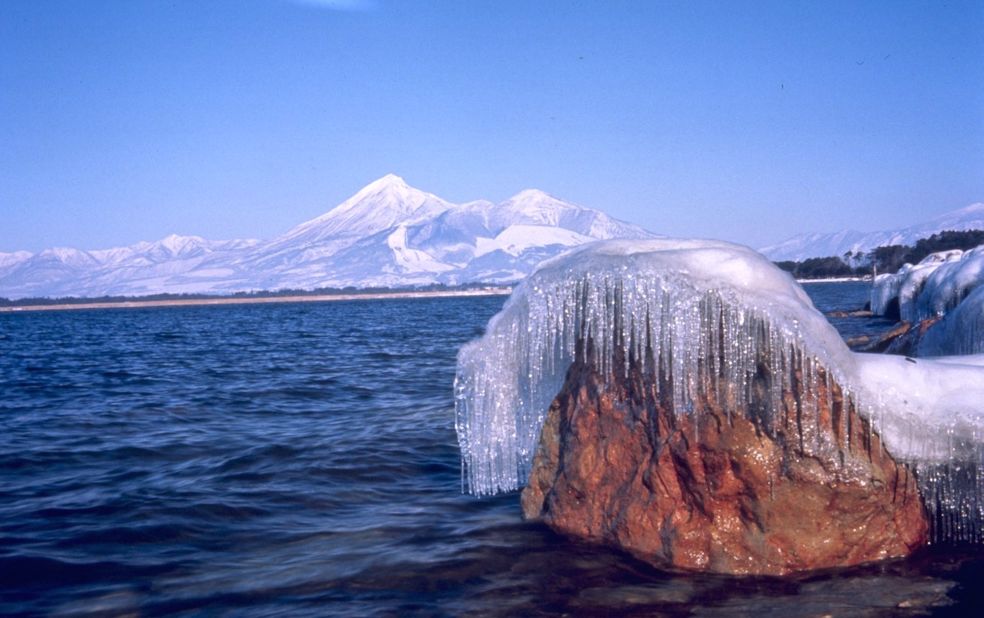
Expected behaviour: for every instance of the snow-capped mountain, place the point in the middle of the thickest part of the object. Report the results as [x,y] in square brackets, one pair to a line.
[378,206]
[806,246]
[388,234]
[142,268]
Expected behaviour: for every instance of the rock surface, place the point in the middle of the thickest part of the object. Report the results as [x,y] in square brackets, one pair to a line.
[903,338]
[722,492]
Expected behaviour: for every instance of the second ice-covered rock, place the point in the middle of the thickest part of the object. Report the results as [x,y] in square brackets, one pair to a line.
[943,294]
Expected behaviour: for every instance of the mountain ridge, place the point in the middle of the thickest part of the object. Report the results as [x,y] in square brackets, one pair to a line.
[387,234]
[826,244]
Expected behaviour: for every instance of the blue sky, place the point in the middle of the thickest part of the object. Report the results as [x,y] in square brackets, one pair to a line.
[750,121]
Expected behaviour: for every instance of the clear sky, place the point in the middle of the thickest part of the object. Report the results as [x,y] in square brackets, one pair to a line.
[128,120]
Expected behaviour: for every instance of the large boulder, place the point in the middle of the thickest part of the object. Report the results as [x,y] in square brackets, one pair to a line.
[710,418]
[716,491]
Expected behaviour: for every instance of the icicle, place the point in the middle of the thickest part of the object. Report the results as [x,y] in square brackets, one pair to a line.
[647,305]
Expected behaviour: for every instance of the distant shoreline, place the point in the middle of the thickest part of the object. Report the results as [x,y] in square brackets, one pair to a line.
[248,300]
[834,280]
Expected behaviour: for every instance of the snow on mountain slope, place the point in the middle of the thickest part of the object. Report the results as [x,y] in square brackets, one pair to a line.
[501,267]
[538,208]
[387,234]
[9,261]
[380,205]
[518,238]
[453,236]
[966,218]
[168,248]
[818,244]
[46,270]
[138,269]
[805,246]
[410,260]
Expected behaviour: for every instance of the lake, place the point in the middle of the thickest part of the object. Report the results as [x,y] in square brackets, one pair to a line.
[300,459]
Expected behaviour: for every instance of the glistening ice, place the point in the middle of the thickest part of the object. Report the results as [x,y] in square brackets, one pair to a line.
[701,314]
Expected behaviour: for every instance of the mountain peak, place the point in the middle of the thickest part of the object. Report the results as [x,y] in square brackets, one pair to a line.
[381,204]
[172,240]
[390,188]
[389,181]
[531,207]
[527,193]
[177,244]
[532,195]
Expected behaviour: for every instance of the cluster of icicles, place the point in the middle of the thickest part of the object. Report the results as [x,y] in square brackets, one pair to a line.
[677,314]
[698,332]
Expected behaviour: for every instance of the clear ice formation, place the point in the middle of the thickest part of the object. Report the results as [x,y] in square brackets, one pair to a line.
[948,285]
[930,413]
[701,313]
[961,331]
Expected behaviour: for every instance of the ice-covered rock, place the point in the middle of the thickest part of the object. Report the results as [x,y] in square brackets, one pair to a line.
[944,288]
[885,292]
[961,331]
[931,413]
[929,410]
[896,295]
[657,301]
[950,283]
[715,331]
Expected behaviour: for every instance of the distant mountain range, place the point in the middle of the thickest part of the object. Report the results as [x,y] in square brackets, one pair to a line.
[806,246]
[386,235]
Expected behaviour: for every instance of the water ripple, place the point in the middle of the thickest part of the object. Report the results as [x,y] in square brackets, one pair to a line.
[293,459]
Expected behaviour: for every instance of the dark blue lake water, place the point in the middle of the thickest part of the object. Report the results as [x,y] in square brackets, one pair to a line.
[300,459]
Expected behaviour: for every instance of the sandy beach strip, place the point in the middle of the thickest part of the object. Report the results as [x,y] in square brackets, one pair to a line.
[251,300]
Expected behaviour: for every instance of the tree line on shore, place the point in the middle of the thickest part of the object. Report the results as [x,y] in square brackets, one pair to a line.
[886,259]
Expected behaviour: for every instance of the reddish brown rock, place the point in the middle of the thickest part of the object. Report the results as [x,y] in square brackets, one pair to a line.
[706,491]
[909,341]
[903,338]
[859,313]
[889,338]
